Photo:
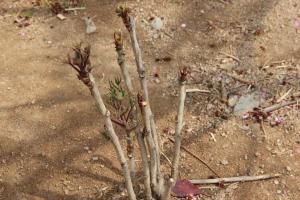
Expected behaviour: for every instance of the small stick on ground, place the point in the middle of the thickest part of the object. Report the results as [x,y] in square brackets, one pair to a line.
[265,65]
[284,95]
[197,158]
[235,179]
[296,94]
[248,82]
[167,159]
[197,90]
[231,56]
[74,9]
[263,128]
[278,106]
[224,92]
[213,137]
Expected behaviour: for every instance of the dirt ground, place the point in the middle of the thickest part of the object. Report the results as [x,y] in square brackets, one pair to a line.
[52,145]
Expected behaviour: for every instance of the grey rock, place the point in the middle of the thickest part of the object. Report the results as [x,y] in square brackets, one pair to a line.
[90,25]
[247,103]
[157,23]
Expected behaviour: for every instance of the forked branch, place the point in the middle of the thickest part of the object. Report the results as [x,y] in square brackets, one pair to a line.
[149,123]
[81,63]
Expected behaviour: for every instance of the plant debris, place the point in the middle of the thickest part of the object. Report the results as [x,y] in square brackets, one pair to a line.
[184,188]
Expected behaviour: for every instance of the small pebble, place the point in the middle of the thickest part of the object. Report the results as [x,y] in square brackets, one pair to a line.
[66,191]
[95,158]
[90,25]
[279,191]
[189,130]
[156,80]
[276,182]
[209,106]
[232,100]
[224,162]
[183,25]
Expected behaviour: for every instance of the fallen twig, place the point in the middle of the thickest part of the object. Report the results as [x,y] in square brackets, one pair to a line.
[296,94]
[197,90]
[278,62]
[197,158]
[235,179]
[77,8]
[263,127]
[284,66]
[224,93]
[240,79]
[284,95]
[213,137]
[231,56]
[278,106]
[266,65]
[167,159]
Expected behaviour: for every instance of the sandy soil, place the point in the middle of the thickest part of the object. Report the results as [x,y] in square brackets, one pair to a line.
[52,145]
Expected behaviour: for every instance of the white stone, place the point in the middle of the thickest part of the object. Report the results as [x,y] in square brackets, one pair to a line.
[157,23]
[90,25]
[224,162]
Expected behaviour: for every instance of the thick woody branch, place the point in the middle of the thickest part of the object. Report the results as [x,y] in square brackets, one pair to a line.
[121,61]
[150,142]
[182,82]
[125,74]
[130,148]
[114,138]
[81,63]
[179,125]
[129,22]
[144,85]
[119,123]
[157,147]
[146,171]
[166,193]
